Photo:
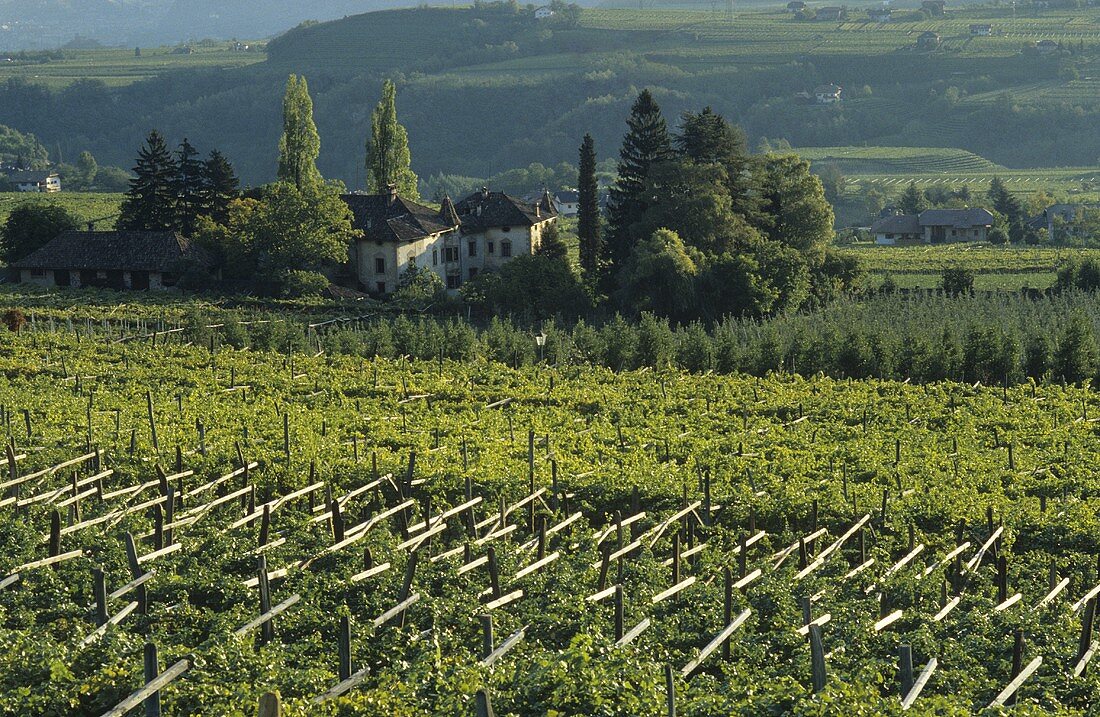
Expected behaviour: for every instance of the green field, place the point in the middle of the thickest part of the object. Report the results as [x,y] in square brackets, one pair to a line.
[120,66]
[86,206]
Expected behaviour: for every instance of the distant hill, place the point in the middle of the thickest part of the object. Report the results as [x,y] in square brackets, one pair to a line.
[46,24]
[489,88]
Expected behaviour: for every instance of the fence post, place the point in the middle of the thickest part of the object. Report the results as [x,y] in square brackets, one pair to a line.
[152,670]
[817,658]
[484,705]
[905,658]
[343,646]
[670,691]
[270,705]
[99,588]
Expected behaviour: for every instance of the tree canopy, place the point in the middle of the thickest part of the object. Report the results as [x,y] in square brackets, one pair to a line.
[300,143]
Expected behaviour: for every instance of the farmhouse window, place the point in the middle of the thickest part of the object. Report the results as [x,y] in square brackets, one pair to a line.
[381,287]
[453,280]
[379,265]
[492,247]
[506,249]
[506,229]
[450,253]
[472,247]
[435,257]
[38,272]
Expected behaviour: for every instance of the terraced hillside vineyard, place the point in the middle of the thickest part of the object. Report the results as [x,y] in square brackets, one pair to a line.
[381,537]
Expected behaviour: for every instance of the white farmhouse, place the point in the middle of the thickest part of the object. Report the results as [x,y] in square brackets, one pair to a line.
[543,13]
[36,181]
[456,241]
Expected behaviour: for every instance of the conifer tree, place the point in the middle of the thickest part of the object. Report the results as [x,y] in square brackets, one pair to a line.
[188,187]
[707,138]
[150,202]
[588,212]
[552,245]
[912,200]
[220,186]
[300,144]
[646,143]
[388,156]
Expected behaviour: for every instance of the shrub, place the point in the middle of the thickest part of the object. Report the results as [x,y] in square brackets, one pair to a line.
[297,283]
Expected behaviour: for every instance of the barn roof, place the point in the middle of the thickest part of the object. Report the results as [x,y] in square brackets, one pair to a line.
[117,250]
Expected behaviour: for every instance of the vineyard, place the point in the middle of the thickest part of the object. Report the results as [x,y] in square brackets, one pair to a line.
[193,526]
[121,66]
[86,206]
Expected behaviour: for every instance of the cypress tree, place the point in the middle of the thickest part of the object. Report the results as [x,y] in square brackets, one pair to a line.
[588,212]
[300,143]
[220,186]
[646,143]
[188,186]
[388,156]
[150,203]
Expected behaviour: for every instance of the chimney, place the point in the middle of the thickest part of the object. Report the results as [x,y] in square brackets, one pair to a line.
[485,192]
[392,189]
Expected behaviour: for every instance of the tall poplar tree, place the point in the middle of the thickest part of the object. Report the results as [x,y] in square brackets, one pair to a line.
[388,156]
[588,213]
[300,143]
[150,203]
[646,143]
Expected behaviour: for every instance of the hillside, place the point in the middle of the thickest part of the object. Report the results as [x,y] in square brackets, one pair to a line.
[489,88]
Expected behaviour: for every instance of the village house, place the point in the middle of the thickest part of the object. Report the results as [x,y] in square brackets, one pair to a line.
[831,14]
[827,94]
[934,8]
[455,241]
[36,181]
[1058,219]
[981,29]
[112,260]
[880,14]
[567,203]
[543,12]
[934,226]
[796,6]
[928,40]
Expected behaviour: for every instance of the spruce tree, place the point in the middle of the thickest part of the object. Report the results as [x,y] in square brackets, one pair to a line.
[646,143]
[388,156]
[300,144]
[912,200]
[707,138]
[588,213]
[188,186]
[150,203]
[552,246]
[220,186]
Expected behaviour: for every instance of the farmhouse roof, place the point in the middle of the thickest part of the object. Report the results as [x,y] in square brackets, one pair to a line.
[960,218]
[31,176]
[388,217]
[568,196]
[899,224]
[486,209]
[117,250]
[796,5]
